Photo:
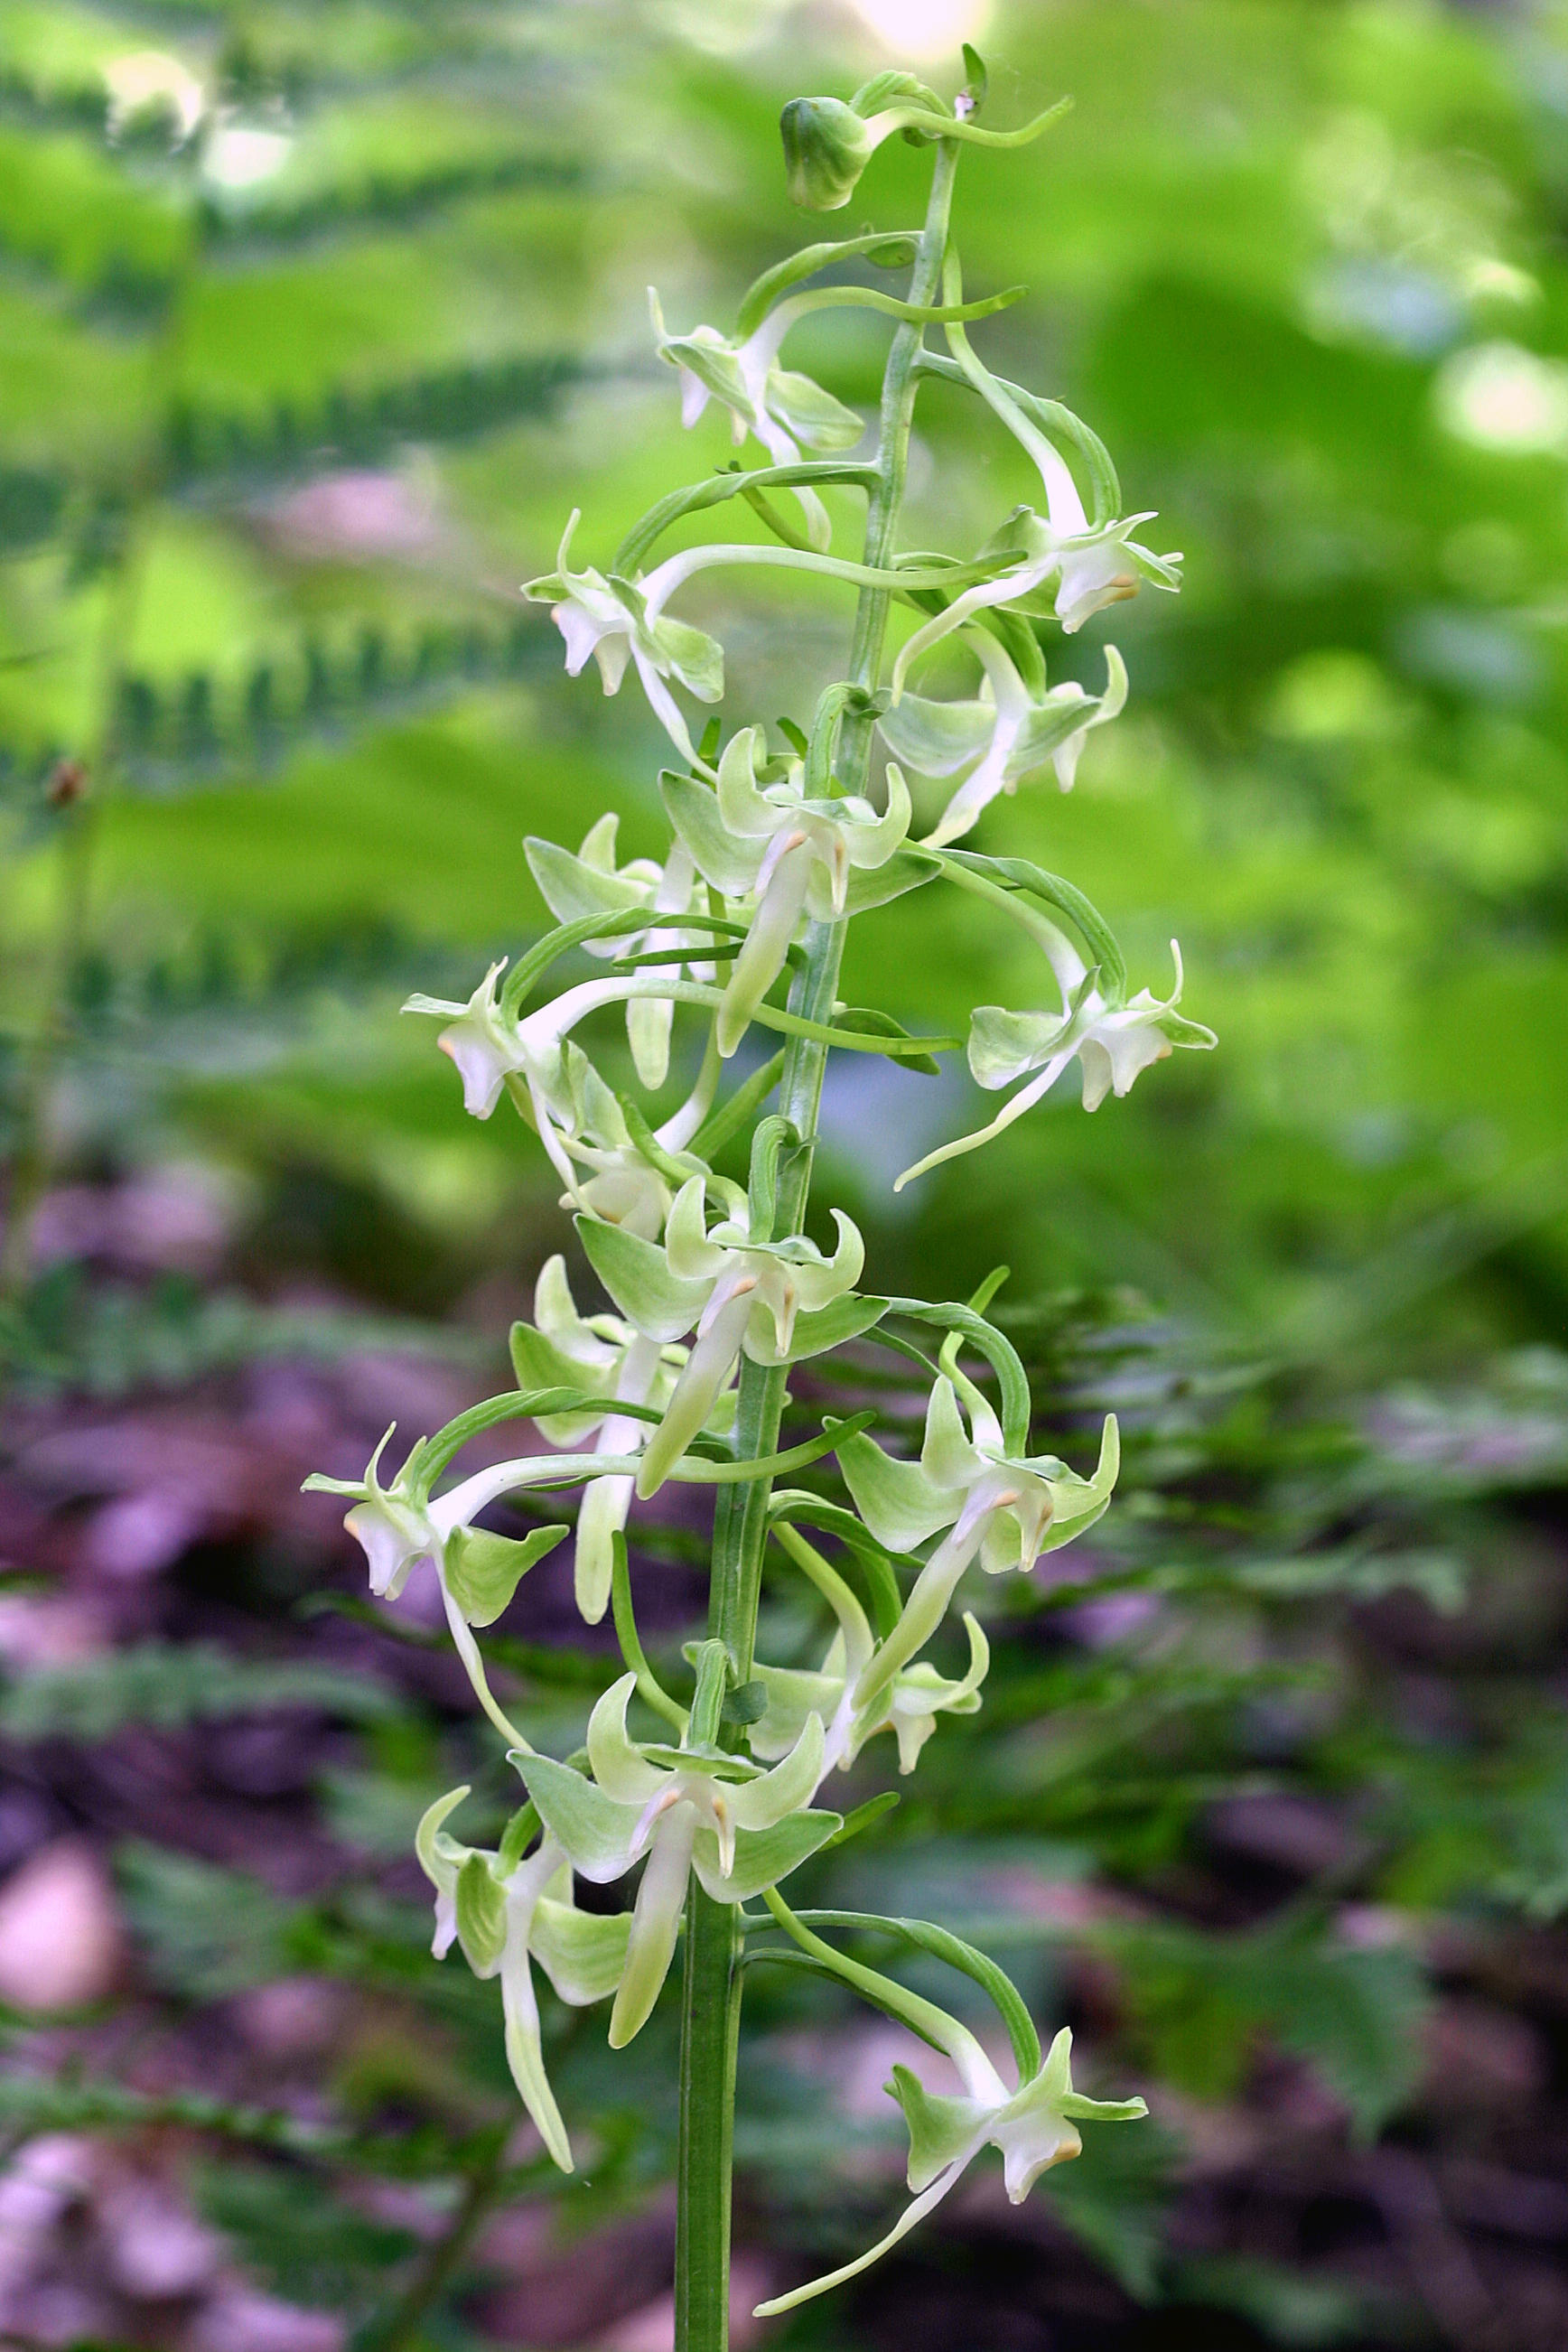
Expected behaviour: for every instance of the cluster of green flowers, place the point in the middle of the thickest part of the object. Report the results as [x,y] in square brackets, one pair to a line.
[773,848]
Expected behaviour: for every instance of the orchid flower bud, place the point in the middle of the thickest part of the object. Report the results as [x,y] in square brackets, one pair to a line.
[827,147]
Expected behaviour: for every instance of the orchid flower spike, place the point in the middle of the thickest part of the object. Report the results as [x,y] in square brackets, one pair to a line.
[777,1300]
[1112,1040]
[906,1703]
[1002,1510]
[591,883]
[1035,2126]
[611,619]
[785,410]
[562,1349]
[759,833]
[687,1809]
[505,1911]
[999,739]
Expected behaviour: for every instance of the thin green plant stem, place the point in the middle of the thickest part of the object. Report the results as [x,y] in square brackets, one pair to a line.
[711,2004]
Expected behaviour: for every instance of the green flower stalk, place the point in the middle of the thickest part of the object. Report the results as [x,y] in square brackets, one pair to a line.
[699,1801]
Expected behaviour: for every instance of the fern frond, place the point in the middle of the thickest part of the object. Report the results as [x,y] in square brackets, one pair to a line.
[168,1686]
[205,447]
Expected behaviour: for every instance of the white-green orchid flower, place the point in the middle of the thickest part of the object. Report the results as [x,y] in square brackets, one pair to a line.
[1002,1510]
[562,1349]
[1035,2126]
[591,883]
[785,411]
[1114,1042]
[906,1703]
[759,834]
[686,1809]
[567,1102]
[483,1044]
[1002,737]
[1053,564]
[398,1526]
[777,1300]
[503,1913]
[618,621]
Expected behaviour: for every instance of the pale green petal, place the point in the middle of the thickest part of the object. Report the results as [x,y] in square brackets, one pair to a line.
[481,1916]
[794,1693]
[872,846]
[524,2055]
[582,1953]
[947,1457]
[759,1805]
[691,1256]
[538,1363]
[695,659]
[942,2130]
[1079,1502]
[573,889]
[637,1276]
[816,420]
[482,1571]
[601,1517]
[438,1869]
[618,1767]
[813,1333]
[596,1833]
[896,1500]
[728,864]
[742,811]
[906,870]
[1004,1045]
[937,738]
[650,1946]
[762,1856]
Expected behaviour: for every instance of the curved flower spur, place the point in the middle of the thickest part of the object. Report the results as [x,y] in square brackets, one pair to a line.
[739,917]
